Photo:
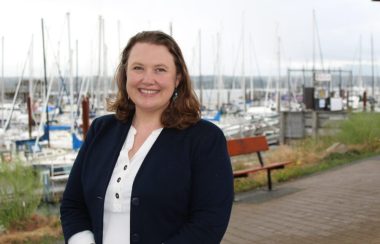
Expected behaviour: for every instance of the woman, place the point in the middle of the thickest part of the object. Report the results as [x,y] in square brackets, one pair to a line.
[153,172]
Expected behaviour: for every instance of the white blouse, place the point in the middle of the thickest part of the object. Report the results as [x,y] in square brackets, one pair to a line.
[117,202]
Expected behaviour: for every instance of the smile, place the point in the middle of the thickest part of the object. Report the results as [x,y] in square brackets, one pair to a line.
[146,91]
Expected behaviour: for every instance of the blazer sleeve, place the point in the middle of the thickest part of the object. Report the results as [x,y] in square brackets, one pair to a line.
[212,192]
[74,213]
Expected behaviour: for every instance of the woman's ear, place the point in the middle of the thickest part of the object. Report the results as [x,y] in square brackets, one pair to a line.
[177,81]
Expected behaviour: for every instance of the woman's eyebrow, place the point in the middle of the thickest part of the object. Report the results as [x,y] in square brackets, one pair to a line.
[136,63]
[161,65]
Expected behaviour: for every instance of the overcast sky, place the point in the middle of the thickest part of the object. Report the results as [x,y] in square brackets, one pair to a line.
[341,24]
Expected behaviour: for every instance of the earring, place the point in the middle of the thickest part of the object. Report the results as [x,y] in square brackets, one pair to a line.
[175,94]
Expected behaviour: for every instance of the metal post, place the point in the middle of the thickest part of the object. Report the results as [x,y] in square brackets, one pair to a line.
[314,119]
[282,128]
[269,179]
[260,158]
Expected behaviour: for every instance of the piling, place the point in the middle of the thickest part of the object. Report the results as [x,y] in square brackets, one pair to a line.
[85,116]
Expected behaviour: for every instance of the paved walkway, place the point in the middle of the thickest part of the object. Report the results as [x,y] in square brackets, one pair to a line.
[338,206]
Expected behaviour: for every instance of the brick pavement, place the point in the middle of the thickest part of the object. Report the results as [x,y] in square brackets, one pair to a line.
[341,205]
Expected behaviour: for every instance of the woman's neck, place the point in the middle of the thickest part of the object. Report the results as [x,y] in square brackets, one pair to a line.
[146,121]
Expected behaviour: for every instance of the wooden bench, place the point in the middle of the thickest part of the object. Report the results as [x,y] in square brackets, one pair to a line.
[250,145]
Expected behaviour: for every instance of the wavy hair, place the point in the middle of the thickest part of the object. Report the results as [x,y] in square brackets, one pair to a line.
[183,110]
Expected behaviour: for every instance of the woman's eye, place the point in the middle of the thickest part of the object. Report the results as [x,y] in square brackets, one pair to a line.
[161,70]
[137,68]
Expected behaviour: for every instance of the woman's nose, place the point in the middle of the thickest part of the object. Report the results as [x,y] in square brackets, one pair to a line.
[148,77]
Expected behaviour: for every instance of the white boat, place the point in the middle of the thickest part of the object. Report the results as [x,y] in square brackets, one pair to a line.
[54,172]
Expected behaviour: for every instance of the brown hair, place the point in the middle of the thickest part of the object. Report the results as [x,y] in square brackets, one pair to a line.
[182,111]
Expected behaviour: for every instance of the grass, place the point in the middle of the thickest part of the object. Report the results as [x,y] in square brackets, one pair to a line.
[361,129]
[34,230]
[330,162]
[19,187]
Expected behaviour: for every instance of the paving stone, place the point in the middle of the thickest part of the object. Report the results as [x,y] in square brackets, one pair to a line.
[338,206]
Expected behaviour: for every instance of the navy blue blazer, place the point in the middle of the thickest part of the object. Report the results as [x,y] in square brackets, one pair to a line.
[182,193]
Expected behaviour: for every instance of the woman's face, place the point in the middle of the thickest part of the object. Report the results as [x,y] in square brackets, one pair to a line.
[151,77]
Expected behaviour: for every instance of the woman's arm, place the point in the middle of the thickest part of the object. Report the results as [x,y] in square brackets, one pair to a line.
[74,213]
[212,193]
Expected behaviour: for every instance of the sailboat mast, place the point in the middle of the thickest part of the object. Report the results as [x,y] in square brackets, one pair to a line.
[104,74]
[31,71]
[77,69]
[278,104]
[200,69]
[250,65]
[2,82]
[360,81]
[313,43]
[219,70]
[30,93]
[118,36]
[70,73]
[45,80]
[92,80]
[243,86]
[113,82]
[372,67]
[99,63]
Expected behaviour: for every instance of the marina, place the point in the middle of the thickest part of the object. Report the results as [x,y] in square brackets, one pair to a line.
[51,147]
[293,86]
[45,109]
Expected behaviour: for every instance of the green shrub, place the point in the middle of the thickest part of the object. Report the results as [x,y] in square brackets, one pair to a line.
[20,190]
[361,129]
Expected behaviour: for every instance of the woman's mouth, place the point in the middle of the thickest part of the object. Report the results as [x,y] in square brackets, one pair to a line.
[148,92]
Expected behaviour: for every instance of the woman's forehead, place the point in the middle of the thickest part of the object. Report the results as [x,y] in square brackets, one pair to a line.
[148,52]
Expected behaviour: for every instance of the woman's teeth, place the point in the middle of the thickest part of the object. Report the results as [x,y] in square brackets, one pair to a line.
[148,91]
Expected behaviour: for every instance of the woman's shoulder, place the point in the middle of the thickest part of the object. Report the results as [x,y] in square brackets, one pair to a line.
[105,118]
[108,120]
[206,138]
[205,128]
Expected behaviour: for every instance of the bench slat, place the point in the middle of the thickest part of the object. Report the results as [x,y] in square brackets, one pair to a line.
[277,165]
[247,145]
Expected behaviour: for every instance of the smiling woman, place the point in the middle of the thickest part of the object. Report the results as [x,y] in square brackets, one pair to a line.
[153,172]
[151,77]
[154,60]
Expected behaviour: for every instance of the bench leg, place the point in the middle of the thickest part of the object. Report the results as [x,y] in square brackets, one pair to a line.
[269,179]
